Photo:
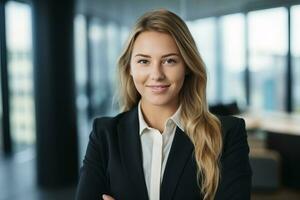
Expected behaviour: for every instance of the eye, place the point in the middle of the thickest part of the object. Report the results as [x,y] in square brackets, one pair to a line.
[170,61]
[143,61]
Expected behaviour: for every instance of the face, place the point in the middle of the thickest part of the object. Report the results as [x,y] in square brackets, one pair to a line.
[157,69]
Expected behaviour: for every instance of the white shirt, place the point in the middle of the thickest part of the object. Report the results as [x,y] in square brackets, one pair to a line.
[155,150]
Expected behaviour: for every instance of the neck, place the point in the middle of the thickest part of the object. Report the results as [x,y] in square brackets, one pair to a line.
[156,116]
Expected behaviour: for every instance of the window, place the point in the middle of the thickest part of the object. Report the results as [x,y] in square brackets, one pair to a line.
[80,32]
[1,116]
[105,43]
[113,52]
[295,50]
[267,58]
[99,63]
[204,33]
[81,80]
[233,58]
[20,75]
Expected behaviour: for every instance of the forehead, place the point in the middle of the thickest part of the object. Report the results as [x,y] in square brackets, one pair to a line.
[154,43]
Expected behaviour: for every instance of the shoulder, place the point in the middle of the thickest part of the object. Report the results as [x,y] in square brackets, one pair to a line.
[229,123]
[103,129]
[108,123]
[233,130]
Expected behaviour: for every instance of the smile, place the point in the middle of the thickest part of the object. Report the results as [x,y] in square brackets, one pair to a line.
[158,88]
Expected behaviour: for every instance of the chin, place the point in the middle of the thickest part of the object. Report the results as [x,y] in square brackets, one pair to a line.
[159,101]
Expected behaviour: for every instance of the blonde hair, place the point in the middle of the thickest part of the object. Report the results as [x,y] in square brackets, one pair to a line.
[202,127]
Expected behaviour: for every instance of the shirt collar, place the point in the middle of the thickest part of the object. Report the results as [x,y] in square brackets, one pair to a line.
[143,124]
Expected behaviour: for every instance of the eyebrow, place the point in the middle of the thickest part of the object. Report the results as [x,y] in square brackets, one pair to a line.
[147,56]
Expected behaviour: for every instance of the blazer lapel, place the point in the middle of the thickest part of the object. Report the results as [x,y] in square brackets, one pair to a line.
[180,152]
[131,151]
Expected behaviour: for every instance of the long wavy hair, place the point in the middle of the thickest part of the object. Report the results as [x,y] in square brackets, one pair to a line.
[202,127]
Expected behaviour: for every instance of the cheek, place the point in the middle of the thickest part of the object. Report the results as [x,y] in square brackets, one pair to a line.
[138,77]
[139,84]
[179,83]
[138,74]
[178,77]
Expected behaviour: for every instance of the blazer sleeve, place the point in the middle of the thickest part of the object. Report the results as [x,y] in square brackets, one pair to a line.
[235,181]
[93,179]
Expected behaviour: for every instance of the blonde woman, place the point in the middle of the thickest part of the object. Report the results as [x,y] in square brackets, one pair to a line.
[165,144]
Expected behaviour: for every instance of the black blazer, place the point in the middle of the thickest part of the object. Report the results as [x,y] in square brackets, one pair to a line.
[113,163]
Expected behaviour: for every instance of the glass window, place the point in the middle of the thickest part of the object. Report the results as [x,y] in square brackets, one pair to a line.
[80,66]
[204,33]
[80,43]
[104,42]
[267,58]
[295,41]
[1,116]
[99,63]
[20,74]
[124,32]
[113,52]
[106,39]
[233,58]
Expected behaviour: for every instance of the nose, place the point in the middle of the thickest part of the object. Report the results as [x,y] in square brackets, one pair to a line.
[157,72]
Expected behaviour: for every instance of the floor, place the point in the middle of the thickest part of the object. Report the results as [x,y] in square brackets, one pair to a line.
[17,181]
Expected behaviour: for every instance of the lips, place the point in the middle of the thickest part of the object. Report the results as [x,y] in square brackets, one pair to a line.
[159,88]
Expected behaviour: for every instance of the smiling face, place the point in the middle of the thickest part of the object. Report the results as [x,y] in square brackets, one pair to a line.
[157,69]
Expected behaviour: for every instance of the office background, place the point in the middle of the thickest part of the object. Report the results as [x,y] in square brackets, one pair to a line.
[58,72]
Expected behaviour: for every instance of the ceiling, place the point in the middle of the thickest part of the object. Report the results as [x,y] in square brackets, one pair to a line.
[126,11]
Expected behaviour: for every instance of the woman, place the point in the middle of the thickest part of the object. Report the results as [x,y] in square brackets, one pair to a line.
[166,144]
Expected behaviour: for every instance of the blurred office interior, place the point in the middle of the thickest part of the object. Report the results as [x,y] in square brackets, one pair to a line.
[58,71]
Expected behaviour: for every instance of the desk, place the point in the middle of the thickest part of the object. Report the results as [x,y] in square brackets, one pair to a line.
[276,122]
[283,135]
